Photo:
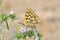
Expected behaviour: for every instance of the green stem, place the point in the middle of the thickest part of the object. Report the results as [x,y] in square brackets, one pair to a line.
[7,24]
[36,35]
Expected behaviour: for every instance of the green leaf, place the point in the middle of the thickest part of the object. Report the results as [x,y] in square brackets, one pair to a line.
[30,33]
[18,36]
[12,16]
[39,35]
[24,35]
[3,17]
[0,20]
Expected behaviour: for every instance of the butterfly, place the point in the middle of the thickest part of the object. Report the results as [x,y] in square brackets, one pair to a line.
[31,18]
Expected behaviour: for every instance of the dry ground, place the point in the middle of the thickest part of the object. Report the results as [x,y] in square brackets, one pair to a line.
[47,10]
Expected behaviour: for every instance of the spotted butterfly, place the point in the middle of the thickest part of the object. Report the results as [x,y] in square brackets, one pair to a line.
[30,18]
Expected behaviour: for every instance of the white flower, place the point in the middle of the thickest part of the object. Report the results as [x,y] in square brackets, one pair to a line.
[11,11]
[22,29]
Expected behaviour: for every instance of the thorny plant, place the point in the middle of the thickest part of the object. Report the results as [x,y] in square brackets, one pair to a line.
[29,33]
[4,17]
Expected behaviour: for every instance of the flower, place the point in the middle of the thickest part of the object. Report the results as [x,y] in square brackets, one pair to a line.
[22,29]
[11,11]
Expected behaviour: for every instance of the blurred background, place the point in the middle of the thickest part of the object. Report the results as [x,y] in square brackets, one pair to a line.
[47,10]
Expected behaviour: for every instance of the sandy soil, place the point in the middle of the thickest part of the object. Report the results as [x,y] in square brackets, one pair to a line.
[47,10]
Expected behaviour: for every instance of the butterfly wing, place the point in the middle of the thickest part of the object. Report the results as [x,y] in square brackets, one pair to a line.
[30,18]
[36,17]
